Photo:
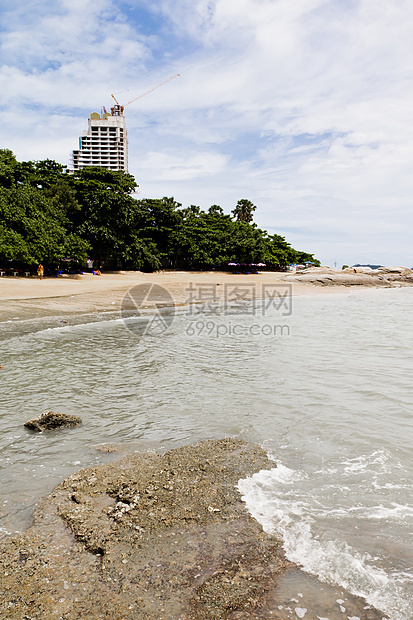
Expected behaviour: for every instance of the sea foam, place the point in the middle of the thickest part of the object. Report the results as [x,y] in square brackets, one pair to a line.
[270,499]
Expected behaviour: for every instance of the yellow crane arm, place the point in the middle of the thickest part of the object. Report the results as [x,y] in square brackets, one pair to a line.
[151,89]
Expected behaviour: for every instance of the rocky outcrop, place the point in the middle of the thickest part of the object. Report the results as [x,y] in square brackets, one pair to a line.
[152,537]
[402,271]
[49,421]
[354,276]
[353,270]
[315,271]
[339,279]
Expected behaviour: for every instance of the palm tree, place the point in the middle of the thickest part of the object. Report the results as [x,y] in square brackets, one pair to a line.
[243,210]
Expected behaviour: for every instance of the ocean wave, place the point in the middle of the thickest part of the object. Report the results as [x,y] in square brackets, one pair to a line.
[332,561]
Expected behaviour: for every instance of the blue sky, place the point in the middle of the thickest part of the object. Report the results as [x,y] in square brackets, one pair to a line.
[303,107]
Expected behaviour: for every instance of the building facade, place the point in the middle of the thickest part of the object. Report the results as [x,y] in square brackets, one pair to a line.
[104,143]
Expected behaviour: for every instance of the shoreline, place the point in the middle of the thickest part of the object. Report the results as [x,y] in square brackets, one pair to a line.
[161,537]
[23,298]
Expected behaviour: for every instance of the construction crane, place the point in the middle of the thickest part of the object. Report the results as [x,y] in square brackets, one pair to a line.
[117,109]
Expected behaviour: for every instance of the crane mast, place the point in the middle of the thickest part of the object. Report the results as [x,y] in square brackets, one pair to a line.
[117,109]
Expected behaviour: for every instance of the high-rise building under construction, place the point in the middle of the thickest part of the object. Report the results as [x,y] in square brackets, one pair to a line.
[104,143]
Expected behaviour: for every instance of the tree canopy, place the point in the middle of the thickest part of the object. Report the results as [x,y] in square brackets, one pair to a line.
[34,220]
[244,210]
[48,215]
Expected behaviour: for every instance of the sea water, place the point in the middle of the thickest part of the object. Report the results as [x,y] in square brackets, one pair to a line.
[323,383]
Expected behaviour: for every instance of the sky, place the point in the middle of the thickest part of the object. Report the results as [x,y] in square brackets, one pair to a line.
[304,107]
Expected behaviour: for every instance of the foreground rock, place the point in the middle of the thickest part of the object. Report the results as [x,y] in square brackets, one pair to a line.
[156,538]
[49,421]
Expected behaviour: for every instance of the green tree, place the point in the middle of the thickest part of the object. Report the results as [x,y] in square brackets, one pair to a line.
[160,218]
[200,241]
[41,174]
[243,211]
[13,247]
[112,221]
[33,229]
[247,243]
[8,167]
[47,214]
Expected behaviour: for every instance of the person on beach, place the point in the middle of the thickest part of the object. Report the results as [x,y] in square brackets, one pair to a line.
[40,271]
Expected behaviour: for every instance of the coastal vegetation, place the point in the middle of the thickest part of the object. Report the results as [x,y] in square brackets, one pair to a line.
[52,217]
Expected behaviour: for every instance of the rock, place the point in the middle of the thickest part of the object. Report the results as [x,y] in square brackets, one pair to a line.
[403,271]
[353,276]
[316,270]
[49,421]
[106,448]
[340,278]
[367,270]
[395,274]
[151,537]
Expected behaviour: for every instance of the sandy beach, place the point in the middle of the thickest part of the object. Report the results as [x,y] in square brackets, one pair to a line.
[22,298]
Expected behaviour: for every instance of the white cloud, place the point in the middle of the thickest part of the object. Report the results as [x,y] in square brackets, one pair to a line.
[304,107]
[182,167]
[62,56]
